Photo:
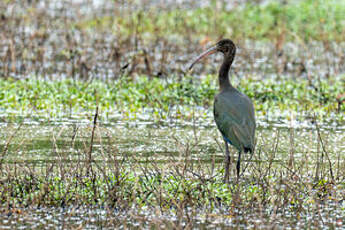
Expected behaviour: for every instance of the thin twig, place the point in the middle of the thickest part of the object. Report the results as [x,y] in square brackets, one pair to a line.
[4,152]
[323,147]
[92,138]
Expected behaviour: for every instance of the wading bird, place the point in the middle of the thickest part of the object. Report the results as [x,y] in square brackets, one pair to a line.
[233,110]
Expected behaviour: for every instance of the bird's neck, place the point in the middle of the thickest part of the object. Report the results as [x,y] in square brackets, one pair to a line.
[224,81]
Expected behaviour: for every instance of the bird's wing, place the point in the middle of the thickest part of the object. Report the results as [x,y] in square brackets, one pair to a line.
[236,122]
[239,134]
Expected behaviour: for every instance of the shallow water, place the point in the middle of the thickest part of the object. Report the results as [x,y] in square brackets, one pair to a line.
[37,137]
[329,216]
[38,143]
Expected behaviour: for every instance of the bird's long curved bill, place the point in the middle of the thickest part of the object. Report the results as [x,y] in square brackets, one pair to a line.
[211,50]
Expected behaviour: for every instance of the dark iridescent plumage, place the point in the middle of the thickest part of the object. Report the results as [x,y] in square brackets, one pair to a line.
[233,110]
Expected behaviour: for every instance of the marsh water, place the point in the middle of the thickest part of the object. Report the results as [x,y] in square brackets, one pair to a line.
[39,142]
[145,137]
[294,150]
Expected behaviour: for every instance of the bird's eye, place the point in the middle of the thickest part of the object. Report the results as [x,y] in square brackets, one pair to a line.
[226,49]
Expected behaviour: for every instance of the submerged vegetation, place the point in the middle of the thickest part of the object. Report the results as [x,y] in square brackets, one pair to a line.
[101,125]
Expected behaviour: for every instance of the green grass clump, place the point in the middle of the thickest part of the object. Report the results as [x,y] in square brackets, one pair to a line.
[132,97]
[147,189]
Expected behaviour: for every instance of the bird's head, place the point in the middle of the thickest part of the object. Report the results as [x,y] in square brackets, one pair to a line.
[226,46]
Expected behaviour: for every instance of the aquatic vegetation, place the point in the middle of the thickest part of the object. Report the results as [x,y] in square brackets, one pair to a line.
[164,98]
[172,172]
[102,127]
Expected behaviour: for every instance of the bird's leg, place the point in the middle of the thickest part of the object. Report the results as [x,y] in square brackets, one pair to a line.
[238,166]
[227,162]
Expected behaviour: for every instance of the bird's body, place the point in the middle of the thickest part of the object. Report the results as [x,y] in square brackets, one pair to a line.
[233,110]
[234,116]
